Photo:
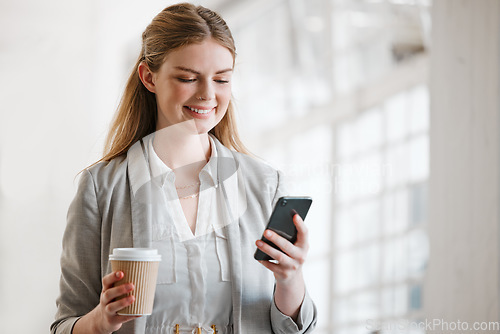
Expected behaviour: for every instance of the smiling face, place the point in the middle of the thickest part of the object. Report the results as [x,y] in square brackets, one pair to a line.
[193,84]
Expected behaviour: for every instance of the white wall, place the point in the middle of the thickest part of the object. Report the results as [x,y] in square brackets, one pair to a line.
[46,136]
[462,280]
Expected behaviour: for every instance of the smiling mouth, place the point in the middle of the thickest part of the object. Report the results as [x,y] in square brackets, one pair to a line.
[200,111]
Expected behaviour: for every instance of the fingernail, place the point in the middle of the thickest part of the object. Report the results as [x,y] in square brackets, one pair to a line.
[118,274]
[268,233]
[259,243]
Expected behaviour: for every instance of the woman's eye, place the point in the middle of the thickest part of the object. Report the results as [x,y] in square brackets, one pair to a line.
[222,81]
[185,80]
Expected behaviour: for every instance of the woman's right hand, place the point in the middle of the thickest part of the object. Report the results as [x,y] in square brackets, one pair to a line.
[104,319]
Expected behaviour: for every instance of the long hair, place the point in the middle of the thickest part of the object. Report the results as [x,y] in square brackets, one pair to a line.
[175,26]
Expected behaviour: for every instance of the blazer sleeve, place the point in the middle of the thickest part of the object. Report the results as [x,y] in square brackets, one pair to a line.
[307,317]
[80,282]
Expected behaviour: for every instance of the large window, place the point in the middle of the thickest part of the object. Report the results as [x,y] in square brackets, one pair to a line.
[380,242]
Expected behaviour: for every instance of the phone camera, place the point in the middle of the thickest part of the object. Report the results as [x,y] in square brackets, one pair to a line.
[283,203]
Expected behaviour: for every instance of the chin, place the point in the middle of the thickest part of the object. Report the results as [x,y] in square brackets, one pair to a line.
[205,127]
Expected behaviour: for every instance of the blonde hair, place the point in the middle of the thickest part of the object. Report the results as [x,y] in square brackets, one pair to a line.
[175,26]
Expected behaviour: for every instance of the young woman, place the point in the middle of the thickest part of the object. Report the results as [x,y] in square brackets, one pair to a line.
[176,177]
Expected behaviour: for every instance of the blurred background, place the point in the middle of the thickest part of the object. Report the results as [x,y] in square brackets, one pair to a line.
[386,112]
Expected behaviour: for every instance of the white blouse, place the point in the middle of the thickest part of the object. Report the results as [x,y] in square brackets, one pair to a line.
[193,288]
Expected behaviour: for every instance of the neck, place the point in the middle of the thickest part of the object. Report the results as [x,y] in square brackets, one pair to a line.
[181,149]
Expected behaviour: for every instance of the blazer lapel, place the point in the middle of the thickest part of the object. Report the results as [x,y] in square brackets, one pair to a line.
[141,196]
[232,188]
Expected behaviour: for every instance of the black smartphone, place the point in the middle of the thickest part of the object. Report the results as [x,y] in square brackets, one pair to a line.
[281,221]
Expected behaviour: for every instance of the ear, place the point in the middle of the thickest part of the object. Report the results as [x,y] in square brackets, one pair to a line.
[146,77]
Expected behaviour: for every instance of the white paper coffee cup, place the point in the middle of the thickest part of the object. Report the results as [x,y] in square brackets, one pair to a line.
[140,267]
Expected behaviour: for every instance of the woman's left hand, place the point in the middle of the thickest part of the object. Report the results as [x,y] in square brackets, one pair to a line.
[291,257]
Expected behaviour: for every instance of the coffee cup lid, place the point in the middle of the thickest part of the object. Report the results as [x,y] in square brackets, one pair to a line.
[135,254]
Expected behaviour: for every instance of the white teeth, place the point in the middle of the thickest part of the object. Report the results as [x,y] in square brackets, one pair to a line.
[200,111]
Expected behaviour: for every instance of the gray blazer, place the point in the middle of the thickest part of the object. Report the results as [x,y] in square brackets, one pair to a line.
[115,205]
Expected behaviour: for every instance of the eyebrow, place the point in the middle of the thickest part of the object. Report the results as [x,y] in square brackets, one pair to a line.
[196,72]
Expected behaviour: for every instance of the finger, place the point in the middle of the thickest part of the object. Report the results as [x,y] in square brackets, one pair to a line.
[111,294]
[119,304]
[302,232]
[286,246]
[275,268]
[109,280]
[275,254]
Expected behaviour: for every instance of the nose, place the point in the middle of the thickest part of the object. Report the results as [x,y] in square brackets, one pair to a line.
[206,90]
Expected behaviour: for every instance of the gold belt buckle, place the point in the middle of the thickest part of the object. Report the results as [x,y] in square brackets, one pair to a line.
[198,329]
